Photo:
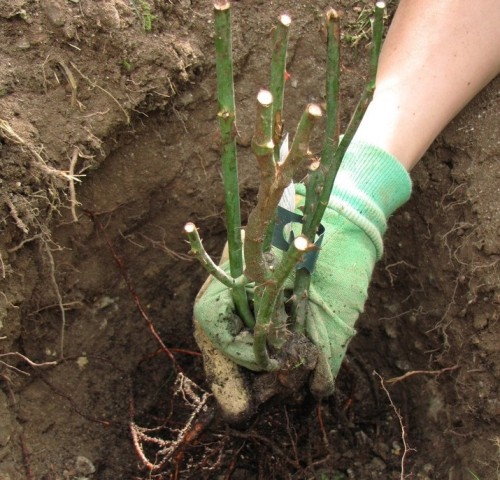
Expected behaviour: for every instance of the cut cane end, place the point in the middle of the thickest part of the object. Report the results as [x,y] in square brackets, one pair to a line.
[301,243]
[190,227]
[380,5]
[285,20]
[265,98]
[332,14]
[314,110]
[221,4]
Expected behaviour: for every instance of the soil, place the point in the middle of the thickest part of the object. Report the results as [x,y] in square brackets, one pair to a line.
[92,266]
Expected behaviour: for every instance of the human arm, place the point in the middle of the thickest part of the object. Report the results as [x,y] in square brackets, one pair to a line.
[436,57]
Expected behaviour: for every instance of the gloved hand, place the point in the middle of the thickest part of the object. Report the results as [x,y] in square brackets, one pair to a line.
[370,186]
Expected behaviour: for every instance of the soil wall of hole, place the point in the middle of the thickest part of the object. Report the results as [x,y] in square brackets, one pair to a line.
[141,125]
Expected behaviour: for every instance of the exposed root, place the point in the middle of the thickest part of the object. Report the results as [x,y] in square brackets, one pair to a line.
[58,294]
[95,85]
[71,80]
[393,276]
[3,266]
[269,443]
[25,359]
[31,363]
[171,449]
[72,192]
[39,161]
[23,242]
[26,458]
[19,371]
[15,215]
[131,288]
[32,214]
[446,319]
[394,380]
[406,448]
[160,245]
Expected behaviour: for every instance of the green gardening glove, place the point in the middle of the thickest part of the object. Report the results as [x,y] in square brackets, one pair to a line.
[370,185]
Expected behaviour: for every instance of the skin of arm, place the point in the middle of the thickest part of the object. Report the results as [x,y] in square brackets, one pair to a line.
[437,56]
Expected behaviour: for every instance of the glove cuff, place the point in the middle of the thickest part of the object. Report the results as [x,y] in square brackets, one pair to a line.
[370,185]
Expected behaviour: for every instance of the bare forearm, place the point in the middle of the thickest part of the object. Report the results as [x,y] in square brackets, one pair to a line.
[437,56]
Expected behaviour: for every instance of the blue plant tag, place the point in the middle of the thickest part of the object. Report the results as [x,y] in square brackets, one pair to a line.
[283,218]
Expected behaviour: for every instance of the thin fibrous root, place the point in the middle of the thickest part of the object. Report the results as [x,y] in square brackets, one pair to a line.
[39,163]
[13,211]
[95,85]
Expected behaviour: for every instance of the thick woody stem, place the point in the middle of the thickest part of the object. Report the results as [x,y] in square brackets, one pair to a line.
[300,145]
[272,289]
[278,72]
[269,196]
[277,87]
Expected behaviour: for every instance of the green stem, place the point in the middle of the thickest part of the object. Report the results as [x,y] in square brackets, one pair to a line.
[237,285]
[278,70]
[263,325]
[262,147]
[316,178]
[198,250]
[278,334]
[300,145]
[365,100]
[300,298]
[262,141]
[227,114]
[377,31]
[240,300]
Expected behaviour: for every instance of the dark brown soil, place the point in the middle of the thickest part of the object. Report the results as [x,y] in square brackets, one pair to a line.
[136,111]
